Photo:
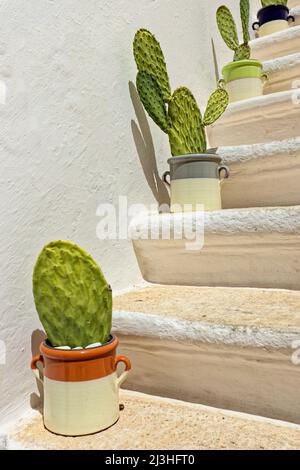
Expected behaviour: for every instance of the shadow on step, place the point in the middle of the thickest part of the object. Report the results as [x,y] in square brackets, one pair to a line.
[145,149]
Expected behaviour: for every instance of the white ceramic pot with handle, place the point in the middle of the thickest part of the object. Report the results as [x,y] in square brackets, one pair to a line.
[195,181]
[272,19]
[81,387]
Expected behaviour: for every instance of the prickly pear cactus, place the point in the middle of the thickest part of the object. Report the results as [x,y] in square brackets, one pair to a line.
[228,30]
[149,58]
[72,297]
[152,99]
[186,133]
[177,115]
[216,106]
[266,3]
[243,52]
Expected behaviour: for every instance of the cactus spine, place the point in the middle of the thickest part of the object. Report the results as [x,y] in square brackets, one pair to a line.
[72,297]
[228,30]
[266,3]
[177,114]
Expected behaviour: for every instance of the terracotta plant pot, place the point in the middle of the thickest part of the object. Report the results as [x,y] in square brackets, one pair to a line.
[272,19]
[244,79]
[195,180]
[81,387]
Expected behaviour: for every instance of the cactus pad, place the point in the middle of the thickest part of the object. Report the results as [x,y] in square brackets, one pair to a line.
[216,106]
[149,58]
[245,13]
[186,133]
[152,99]
[72,297]
[177,115]
[243,52]
[227,27]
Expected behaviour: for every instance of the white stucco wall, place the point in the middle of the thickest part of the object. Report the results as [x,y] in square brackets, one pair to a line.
[66,143]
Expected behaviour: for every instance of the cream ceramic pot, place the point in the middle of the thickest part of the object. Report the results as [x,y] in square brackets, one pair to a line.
[195,182]
[243,79]
[81,387]
[272,27]
[272,19]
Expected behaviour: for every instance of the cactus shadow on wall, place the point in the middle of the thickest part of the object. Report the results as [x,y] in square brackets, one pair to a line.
[36,400]
[145,149]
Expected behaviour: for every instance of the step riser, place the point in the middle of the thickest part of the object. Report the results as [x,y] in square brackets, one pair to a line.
[267,181]
[242,123]
[276,45]
[265,260]
[283,75]
[257,381]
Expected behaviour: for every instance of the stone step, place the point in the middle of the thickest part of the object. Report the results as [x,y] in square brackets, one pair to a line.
[228,348]
[276,45]
[283,73]
[155,423]
[257,247]
[262,119]
[262,174]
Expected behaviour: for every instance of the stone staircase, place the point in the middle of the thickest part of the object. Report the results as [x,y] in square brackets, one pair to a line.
[229,351]
[233,345]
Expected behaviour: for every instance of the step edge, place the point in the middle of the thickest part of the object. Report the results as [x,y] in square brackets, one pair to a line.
[272,39]
[243,153]
[282,63]
[154,325]
[279,99]
[271,220]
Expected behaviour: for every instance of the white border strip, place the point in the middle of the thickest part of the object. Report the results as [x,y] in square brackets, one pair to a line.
[149,325]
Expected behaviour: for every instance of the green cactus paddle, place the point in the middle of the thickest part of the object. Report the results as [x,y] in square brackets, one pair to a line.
[177,115]
[149,58]
[72,297]
[228,30]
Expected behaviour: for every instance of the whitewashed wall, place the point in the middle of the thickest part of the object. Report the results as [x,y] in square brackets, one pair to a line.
[66,143]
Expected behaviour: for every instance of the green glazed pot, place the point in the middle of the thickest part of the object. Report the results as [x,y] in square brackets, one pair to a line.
[244,79]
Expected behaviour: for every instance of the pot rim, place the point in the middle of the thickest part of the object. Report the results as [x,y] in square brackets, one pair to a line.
[269,7]
[79,354]
[195,157]
[241,63]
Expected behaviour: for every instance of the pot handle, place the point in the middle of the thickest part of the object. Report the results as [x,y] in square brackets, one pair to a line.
[226,172]
[34,367]
[166,181]
[127,363]
[164,178]
[221,84]
[291,18]
[265,77]
[254,26]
